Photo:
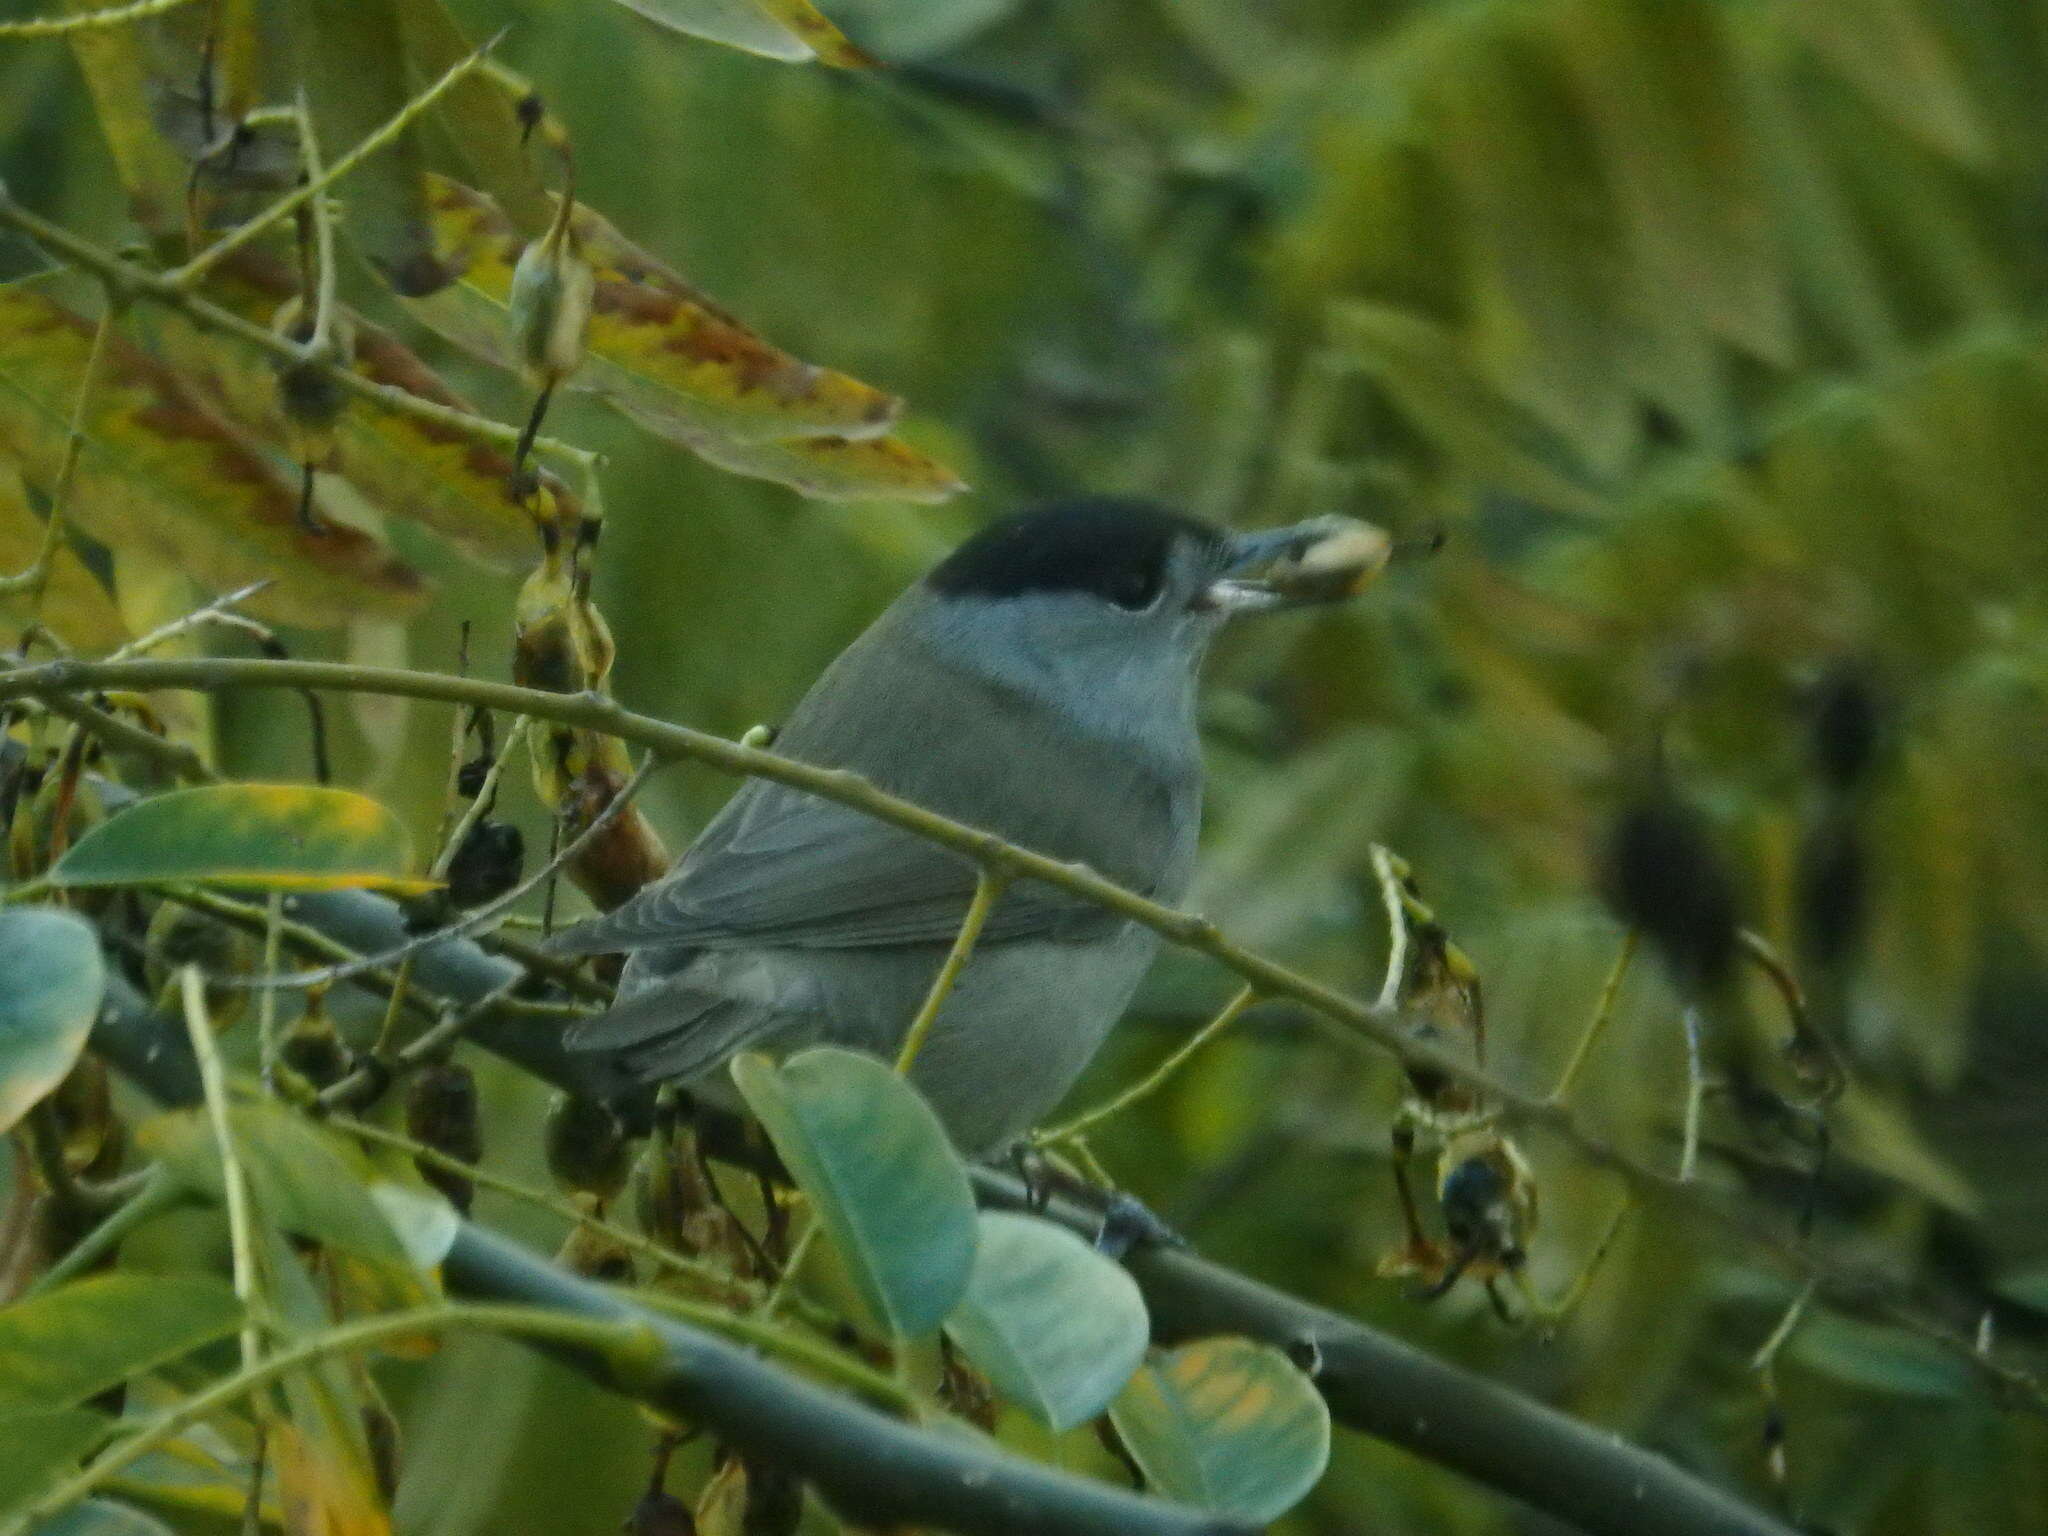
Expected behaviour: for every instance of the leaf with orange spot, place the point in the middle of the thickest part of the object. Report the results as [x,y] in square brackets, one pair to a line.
[1226,1425]
[665,355]
[442,478]
[794,31]
[286,837]
[162,475]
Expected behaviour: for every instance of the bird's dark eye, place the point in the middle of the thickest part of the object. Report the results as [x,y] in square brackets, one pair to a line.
[1134,587]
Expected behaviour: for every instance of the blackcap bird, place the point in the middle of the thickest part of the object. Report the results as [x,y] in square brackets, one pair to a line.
[1039,683]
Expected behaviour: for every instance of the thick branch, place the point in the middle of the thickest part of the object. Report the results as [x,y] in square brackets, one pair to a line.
[1372,1381]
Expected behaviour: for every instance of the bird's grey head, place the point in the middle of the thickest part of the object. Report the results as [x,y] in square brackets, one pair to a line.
[1100,605]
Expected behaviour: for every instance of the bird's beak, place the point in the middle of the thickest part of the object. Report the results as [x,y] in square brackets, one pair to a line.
[1323,560]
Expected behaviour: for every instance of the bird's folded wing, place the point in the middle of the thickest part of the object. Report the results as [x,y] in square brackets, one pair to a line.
[791,870]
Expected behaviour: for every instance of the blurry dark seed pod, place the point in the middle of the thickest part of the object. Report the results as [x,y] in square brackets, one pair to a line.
[1833,887]
[587,1149]
[775,1499]
[381,1437]
[312,1049]
[179,936]
[592,1253]
[469,778]
[1845,721]
[549,307]
[487,864]
[1663,877]
[307,395]
[660,1513]
[441,1111]
[92,1136]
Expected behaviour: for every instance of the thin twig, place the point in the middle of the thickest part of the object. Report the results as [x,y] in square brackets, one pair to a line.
[37,576]
[1156,1079]
[234,1184]
[480,803]
[471,921]
[112,16]
[140,282]
[189,276]
[1603,1014]
[988,890]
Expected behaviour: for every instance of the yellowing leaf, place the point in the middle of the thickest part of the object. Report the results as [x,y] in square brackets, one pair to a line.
[794,31]
[75,606]
[662,353]
[275,836]
[442,478]
[323,1485]
[163,476]
[51,978]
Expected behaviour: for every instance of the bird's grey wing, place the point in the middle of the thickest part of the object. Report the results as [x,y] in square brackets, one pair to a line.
[676,1026]
[779,867]
[794,871]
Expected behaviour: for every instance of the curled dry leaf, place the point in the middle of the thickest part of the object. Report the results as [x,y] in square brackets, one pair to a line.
[164,476]
[665,355]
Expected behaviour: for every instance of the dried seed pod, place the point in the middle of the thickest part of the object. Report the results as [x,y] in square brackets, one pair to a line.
[549,305]
[1833,887]
[93,1139]
[660,1513]
[1342,559]
[441,1111]
[592,1253]
[307,395]
[1663,877]
[382,1439]
[587,1148]
[1845,720]
[487,864]
[312,1049]
[179,936]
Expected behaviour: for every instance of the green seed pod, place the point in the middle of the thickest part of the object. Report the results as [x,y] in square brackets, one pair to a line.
[594,1254]
[549,306]
[587,1150]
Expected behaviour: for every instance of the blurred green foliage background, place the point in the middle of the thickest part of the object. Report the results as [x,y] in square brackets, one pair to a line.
[1713,333]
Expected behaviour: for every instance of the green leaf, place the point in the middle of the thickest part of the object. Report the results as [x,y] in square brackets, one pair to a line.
[876,1164]
[99,1517]
[51,977]
[302,1178]
[1055,1325]
[357,81]
[1227,1425]
[790,30]
[288,837]
[1879,1359]
[63,1346]
[39,1447]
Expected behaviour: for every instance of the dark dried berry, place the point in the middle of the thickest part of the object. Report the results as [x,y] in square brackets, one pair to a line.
[660,1514]
[1833,888]
[1846,722]
[469,778]
[488,863]
[587,1150]
[441,1111]
[1663,877]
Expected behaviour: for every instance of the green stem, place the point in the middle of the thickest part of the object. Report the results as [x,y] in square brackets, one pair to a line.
[112,16]
[190,275]
[33,580]
[1603,1014]
[988,889]
[234,1183]
[1157,1078]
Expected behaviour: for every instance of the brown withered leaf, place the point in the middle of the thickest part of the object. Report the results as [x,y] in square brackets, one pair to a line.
[662,353]
[444,479]
[162,475]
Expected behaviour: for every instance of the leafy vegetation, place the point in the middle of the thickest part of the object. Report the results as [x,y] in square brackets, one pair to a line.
[1684,815]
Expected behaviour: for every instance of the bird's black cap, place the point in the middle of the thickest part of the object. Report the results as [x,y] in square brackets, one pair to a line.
[1111,547]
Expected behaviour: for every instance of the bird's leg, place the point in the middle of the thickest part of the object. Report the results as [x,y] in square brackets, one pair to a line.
[1126,1221]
